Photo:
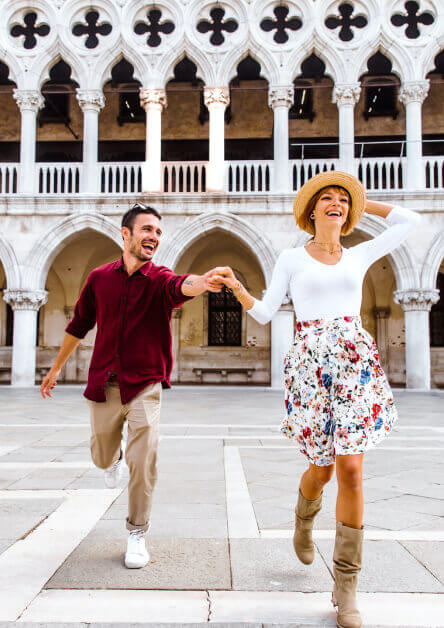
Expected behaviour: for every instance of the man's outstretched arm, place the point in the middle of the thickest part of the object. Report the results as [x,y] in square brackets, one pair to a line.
[69,344]
[197,284]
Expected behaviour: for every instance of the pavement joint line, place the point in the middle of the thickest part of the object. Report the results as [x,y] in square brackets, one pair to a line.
[369,535]
[45,493]
[272,426]
[374,449]
[240,513]
[47,465]
[131,606]
[59,534]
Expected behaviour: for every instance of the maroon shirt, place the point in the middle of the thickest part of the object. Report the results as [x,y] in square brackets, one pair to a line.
[133,326]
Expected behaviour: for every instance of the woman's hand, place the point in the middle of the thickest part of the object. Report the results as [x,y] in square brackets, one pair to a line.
[225,275]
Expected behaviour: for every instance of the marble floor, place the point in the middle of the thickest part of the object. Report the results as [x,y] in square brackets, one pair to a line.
[220,539]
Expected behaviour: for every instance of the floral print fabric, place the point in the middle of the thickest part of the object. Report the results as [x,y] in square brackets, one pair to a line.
[337,398]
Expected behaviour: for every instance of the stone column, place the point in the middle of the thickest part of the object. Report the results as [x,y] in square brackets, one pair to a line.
[216,99]
[282,337]
[416,305]
[412,95]
[280,99]
[153,101]
[70,368]
[25,304]
[381,315]
[29,102]
[346,96]
[91,101]
[175,333]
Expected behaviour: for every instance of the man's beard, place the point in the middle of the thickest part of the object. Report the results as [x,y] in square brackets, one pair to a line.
[136,251]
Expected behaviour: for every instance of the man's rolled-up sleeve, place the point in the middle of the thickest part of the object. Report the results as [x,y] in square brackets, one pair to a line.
[84,317]
[173,289]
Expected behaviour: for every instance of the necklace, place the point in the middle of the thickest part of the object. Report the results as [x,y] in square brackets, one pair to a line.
[328,246]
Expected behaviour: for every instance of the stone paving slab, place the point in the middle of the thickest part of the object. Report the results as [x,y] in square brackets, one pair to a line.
[429,554]
[271,565]
[388,566]
[19,516]
[97,563]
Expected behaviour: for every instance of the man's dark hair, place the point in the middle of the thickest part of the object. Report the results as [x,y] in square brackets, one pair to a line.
[138,208]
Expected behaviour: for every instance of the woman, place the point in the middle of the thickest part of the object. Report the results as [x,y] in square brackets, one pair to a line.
[338,401]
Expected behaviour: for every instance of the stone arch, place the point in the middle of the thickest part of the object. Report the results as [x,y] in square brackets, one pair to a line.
[403,266]
[169,61]
[10,265]
[269,69]
[58,52]
[169,255]
[334,65]
[111,58]
[433,262]
[49,245]
[402,64]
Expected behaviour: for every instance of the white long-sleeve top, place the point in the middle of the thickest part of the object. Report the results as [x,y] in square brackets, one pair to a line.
[326,291]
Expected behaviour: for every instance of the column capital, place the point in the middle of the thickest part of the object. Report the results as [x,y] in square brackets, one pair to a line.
[90,99]
[216,95]
[381,312]
[280,96]
[28,99]
[414,91]
[25,299]
[346,94]
[416,300]
[150,96]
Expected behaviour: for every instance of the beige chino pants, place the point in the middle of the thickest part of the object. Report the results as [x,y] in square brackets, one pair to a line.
[107,421]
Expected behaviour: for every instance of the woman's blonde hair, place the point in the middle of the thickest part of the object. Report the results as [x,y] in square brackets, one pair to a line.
[307,223]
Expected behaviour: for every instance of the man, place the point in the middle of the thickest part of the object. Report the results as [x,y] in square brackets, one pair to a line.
[131,300]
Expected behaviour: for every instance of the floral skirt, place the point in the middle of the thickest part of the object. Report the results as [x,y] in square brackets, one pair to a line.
[338,401]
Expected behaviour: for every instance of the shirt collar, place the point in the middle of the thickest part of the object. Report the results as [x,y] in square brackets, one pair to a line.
[144,270]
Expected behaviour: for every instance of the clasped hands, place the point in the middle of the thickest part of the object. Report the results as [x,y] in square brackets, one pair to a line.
[217,278]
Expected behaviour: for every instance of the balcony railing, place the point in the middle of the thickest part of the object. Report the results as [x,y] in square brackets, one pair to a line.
[241,176]
[9,178]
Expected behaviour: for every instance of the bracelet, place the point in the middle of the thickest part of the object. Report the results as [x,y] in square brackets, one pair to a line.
[238,291]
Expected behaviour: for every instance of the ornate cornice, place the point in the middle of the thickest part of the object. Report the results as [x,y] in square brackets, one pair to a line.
[416,300]
[281,96]
[90,99]
[414,91]
[28,99]
[216,95]
[346,94]
[150,96]
[25,299]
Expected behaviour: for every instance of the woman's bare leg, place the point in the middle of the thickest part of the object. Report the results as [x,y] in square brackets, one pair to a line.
[314,479]
[350,501]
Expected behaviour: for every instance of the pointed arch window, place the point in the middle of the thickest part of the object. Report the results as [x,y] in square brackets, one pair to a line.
[130,109]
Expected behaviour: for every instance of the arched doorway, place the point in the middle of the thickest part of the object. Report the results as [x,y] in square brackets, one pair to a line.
[437,334]
[83,251]
[204,351]
[6,330]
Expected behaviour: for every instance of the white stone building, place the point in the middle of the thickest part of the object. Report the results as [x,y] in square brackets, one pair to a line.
[215,113]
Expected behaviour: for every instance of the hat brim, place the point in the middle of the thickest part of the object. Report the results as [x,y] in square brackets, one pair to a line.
[328,179]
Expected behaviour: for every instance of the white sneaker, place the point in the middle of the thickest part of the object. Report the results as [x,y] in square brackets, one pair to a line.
[136,553]
[113,474]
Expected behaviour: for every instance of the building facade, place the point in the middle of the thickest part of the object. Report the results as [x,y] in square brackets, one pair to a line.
[215,113]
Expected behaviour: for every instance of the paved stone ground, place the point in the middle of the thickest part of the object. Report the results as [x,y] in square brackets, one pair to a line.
[222,519]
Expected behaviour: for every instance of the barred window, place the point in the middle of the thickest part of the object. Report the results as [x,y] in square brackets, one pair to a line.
[437,317]
[224,320]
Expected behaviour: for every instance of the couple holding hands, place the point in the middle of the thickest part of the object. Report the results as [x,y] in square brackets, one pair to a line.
[338,403]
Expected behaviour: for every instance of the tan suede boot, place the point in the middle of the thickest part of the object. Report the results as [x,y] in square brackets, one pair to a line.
[306,510]
[347,560]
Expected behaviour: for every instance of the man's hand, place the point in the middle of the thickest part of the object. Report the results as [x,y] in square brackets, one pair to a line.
[49,382]
[223,275]
[212,282]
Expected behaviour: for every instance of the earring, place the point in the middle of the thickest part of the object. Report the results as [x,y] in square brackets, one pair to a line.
[312,216]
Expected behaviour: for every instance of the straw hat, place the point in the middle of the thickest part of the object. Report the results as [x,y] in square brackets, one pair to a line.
[324,180]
